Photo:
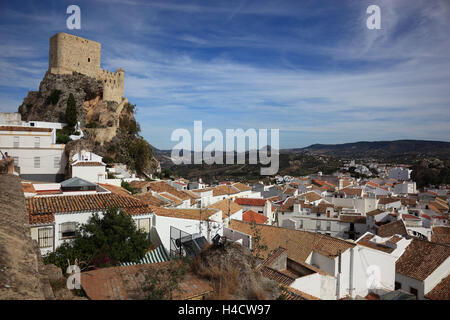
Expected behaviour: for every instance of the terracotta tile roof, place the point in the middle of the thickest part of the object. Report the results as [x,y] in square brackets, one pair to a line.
[273,256]
[311,196]
[224,190]
[224,205]
[241,186]
[161,186]
[176,201]
[88,164]
[139,184]
[441,291]
[192,214]
[372,184]
[122,283]
[28,188]
[365,241]
[289,191]
[252,216]
[299,244]
[421,258]
[251,202]
[409,217]
[274,199]
[42,209]
[288,205]
[29,129]
[441,235]
[387,200]
[280,277]
[318,182]
[294,294]
[116,189]
[374,212]
[352,219]
[389,229]
[147,197]
[352,191]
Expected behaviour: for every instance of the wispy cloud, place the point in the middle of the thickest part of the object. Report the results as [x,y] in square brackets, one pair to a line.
[313,70]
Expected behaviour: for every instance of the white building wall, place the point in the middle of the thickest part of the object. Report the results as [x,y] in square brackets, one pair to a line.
[92,174]
[437,276]
[317,285]
[162,225]
[51,156]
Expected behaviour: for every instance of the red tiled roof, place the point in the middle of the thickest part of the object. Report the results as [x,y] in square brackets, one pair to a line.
[88,164]
[441,291]
[42,209]
[225,205]
[409,216]
[421,258]
[116,189]
[28,188]
[389,229]
[147,197]
[29,129]
[252,216]
[251,202]
[299,244]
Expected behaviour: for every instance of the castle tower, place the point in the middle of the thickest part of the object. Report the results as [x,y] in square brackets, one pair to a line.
[69,53]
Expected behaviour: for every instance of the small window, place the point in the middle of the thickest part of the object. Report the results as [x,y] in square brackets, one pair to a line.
[16,161]
[300,225]
[37,142]
[16,142]
[37,162]
[328,225]
[45,237]
[67,230]
[89,59]
[56,162]
[318,224]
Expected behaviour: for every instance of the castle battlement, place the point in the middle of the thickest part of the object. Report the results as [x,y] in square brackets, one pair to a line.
[69,53]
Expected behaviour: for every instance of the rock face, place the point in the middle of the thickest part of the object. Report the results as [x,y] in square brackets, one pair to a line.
[21,266]
[99,119]
[36,106]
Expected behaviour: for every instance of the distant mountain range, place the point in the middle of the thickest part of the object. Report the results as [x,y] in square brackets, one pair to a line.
[380,149]
[374,149]
[317,157]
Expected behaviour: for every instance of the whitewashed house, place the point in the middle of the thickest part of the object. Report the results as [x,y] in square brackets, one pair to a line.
[55,219]
[88,166]
[35,152]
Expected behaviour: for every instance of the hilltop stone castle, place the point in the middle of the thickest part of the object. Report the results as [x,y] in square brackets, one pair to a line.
[69,53]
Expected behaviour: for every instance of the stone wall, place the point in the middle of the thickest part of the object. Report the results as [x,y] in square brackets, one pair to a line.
[69,53]
[22,273]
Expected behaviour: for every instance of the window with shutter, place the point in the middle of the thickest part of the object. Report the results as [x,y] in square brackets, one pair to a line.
[45,237]
[67,230]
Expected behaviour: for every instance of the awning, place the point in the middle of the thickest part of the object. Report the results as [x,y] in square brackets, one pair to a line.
[156,255]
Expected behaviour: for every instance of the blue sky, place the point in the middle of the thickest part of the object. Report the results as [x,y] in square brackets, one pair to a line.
[309,68]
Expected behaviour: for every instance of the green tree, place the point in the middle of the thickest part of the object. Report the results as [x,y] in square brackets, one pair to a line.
[71,112]
[126,185]
[103,241]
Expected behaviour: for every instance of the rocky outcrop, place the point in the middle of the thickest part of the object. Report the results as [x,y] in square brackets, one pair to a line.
[99,119]
[37,105]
